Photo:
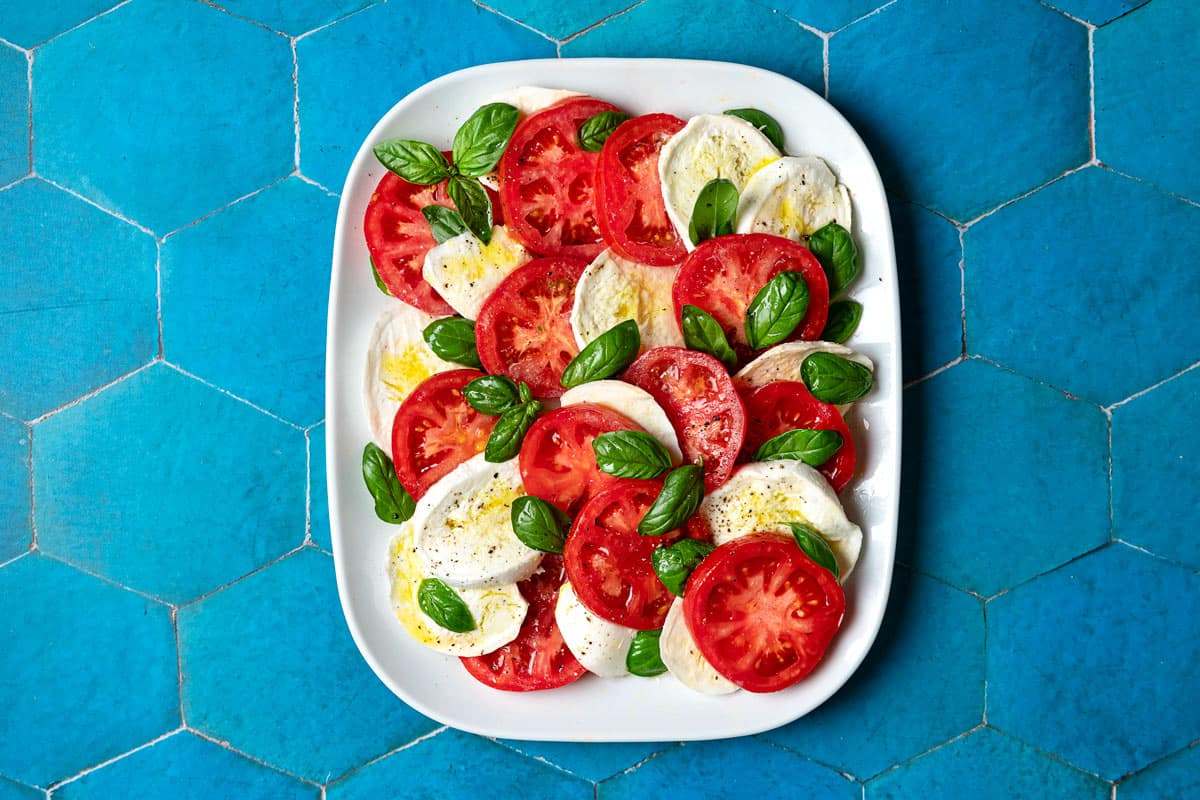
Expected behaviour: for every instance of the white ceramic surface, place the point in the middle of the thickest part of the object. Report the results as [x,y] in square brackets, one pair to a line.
[595,709]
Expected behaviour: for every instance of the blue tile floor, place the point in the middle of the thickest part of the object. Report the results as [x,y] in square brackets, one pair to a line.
[169,173]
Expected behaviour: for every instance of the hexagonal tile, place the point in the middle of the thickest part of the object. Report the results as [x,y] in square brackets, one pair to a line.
[14,115]
[269,666]
[89,670]
[1145,63]
[294,17]
[823,15]
[748,33]
[186,767]
[167,486]
[1177,776]
[249,324]
[1043,498]
[30,24]
[1096,661]
[77,306]
[15,531]
[986,765]
[350,74]
[927,260]
[1083,284]
[11,790]
[593,761]
[921,684]
[556,19]
[318,497]
[165,142]
[958,149]
[1097,12]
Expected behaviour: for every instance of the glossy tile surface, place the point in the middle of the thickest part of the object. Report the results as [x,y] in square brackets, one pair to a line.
[16,533]
[14,114]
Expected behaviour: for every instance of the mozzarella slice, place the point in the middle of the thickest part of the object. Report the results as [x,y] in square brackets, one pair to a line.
[793,197]
[782,363]
[636,404]
[498,611]
[709,146]
[527,100]
[398,359]
[463,526]
[767,495]
[599,645]
[683,659]
[465,271]
[613,289]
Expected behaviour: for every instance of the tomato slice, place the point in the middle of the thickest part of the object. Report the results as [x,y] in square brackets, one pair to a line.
[436,429]
[538,658]
[547,184]
[698,397]
[724,274]
[557,461]
[524,327]
[761,612]
[782,406]
[629,201]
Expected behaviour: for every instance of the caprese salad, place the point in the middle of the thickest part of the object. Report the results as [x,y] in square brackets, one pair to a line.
[608,406]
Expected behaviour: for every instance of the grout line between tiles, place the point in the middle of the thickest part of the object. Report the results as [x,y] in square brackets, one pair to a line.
[869,14]
[77,26]
[923,753]
[178,662]
[228,205]
[330,24]
[638,764]
[240,578]
[93,392]
[1142,549]
[971,222]
[54,787]
[537,758]
[224,744]
[308,486]
[158,293]
[422,738]
[228,393]
[1112,521]
[825,37]
[1091,40]
[764,738]
[519,23]
[295,102]
[258,24]
[962,285]
[33,537]
[1047,571]
[1037,380]
[311,182]
[15,559]
[935,373]
[1149,389]
[1154,186]
[588,29]
[93,203]
[1050,755]
[159,601]
[984,715]
[29,109]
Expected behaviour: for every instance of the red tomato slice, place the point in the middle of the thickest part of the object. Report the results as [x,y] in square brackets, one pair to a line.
[524,327]
[436,429]
[538,658]
[782,406]
[761,612]
[632,215]
[608,562]
[557,461]
[722,276]
[547,184]
[698,397]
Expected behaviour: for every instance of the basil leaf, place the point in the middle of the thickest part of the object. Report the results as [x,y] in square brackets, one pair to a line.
[539,524]
[644,658]
[813,447]
[833,379]
[844,316]
[453,339]
[604,356]
[480,141]
[713,215]
[443,605]
[523,392]
[416,162]
[674,564]
[596,129]
[682,491]
[702,332]
[815,547]
[473,204]
[504,442]
[834,248]
[444,223]
[492,394]
[392,503]
[776,310]
[378,280]
[630,454]
[763,121]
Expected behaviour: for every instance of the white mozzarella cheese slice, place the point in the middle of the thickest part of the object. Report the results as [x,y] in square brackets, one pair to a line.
[599,645]
[636,404]
[613,289]
[683,659]
[464,270]
[782,363]
[793,197]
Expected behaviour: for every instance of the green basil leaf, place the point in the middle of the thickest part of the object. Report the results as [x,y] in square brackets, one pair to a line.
[444,223]
[844,316]
[702,332]
[715,210]
[630,454]
[378,280]
[644,658]
[523,392]
[834,248]
[833,379]
[596,129]
[776,310]
[813,447]
[682,491]
[674,564]
[392,503]
[539,524]
[604,356]
[480,141]
[473,204]
[815,547]
[453,339]
[416,162]
[763,121]
[504,442]
[492,394]
[443,605]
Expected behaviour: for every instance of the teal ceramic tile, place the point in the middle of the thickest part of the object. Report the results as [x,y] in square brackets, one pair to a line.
[556,19]
[15,532]
[1175,777]
[593,761]
[927,263]
[825,15]
[318,497]
[1097,12]
[89,671]
[168,486]
[294,17]
[14,114]
[11,790]
[30,24]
